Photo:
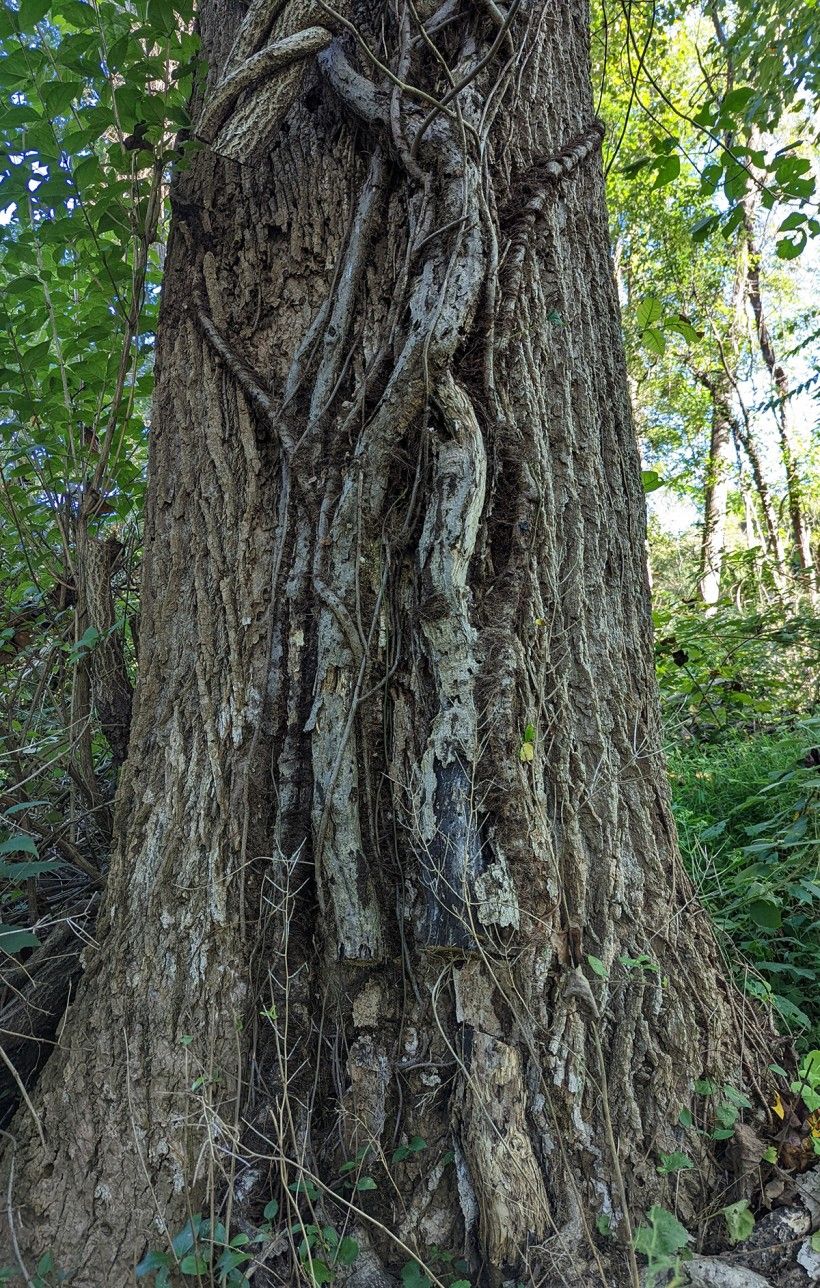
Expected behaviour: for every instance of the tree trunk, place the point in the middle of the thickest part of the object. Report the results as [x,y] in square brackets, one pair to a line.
[801,533]
[394,775]
[774,545]
[725,421]
[716,496]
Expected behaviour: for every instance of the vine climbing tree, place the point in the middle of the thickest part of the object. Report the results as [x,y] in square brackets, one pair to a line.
[395,931]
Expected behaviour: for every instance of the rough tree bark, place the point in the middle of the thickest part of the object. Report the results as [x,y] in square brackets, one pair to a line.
[394,771]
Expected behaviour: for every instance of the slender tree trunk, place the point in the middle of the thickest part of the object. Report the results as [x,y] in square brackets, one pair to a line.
[719,386]
[774,544]
[718,466]
[716,495]
[801,533]
[394,777]
[747,287]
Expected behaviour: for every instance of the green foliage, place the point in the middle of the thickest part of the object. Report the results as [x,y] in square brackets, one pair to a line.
[204,1248]
[445,1264]
[702,134]
[92,97]
[733,671]
[662,1241]
[47,1274]
[807,1086]
[674,1162]
[748,815]
[740,1221]
[597,965]
[414,1146]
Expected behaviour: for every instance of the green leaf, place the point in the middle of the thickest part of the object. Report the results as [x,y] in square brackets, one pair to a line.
[648,311]
[347,1251]
[711,176]
[186,1238]
[271,1210]
[739,1220]
[18,844]
[791,247]
[365,1183]
[735,1097]
[766,913]
[737,98]
[85,643]
[152,1261]
[412,1276]
[193,1264]
[663,1238]
[25,871]
[684,329]
[413,1146]
[726,1115]
[597,965]
[12,939]
[809,1070]
[32,12]
[321,1272]
[795,220]
[654,340]
[304,1187]
[229,1260]
[651,481]
[667,171]
[674,1162]
[59,95]
[703,227]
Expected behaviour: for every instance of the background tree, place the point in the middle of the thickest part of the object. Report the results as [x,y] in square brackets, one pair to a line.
[711,155]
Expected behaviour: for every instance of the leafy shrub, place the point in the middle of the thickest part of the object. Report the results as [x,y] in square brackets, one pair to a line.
[734,670]
[748,815]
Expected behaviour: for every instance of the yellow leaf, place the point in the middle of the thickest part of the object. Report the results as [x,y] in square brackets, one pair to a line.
[526,753]
[778,1106]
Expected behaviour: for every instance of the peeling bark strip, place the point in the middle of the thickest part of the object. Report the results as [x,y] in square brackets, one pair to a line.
[395,521]
[451,847]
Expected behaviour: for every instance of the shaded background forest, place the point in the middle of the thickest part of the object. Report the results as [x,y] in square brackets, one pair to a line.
[711,158]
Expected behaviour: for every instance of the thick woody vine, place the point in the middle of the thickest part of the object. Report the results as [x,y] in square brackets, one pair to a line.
[454,253]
